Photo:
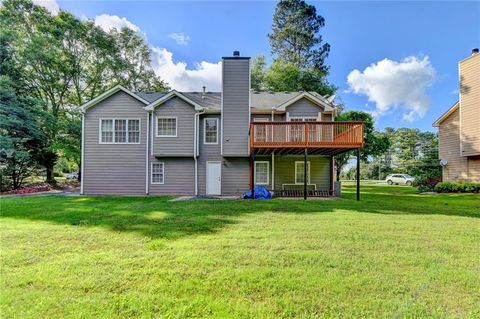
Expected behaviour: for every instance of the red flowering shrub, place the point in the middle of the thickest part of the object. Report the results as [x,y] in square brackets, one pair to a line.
[29,189]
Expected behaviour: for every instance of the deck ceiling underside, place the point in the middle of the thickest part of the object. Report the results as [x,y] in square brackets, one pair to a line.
[326,151]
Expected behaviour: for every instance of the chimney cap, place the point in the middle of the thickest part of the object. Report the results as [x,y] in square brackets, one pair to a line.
[236,56]
[475,51]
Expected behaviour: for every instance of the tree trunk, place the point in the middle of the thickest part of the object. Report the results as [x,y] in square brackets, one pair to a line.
[49,158]
[338,174]
[50,178]
[80,173]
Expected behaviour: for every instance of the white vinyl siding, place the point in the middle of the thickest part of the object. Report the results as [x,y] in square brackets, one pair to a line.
[158,173]
[119,131]
[166,126]
[210,131]
[299,167]
[262,172]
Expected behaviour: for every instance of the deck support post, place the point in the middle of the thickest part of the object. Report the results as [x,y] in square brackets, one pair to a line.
[252,173]
[358,174]
[305,174]
[332,173]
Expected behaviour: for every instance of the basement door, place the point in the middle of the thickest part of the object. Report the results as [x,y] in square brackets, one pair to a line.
[214,179]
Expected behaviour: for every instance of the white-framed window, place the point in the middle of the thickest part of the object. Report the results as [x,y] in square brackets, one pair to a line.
[210,131]
[262,172]
[158,173]
[119,131]
[299,172]
[134,131]
[166,126]
[106,129]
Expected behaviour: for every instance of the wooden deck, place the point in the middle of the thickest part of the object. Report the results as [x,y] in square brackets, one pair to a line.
[323,138]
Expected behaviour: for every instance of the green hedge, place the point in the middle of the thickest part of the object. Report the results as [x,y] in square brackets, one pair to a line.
[457,187]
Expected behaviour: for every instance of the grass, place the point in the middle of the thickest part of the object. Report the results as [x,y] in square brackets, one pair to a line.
[395,254]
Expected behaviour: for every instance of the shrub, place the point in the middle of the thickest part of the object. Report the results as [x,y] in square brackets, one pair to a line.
[457,187]
[426,184]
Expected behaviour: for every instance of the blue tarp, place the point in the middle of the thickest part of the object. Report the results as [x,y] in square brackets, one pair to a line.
[260,193]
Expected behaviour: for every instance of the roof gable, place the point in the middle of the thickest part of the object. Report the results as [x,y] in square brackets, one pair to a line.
[109,93]
[172,94]
[445,115]
[312,98]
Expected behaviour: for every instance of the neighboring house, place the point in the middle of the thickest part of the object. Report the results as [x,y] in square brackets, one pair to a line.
[459,127]
[205,143]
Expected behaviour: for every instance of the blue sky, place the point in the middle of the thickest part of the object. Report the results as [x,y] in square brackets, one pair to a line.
[431,36]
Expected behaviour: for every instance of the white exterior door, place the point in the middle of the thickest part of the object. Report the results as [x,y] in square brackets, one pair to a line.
[214,178]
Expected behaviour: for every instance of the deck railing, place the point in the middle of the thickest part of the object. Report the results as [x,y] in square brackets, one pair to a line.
[306,134]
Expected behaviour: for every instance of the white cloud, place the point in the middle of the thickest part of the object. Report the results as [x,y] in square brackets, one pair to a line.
[180,38]
[175,73]
[108,22]
[182,79]
[50,5]
[391,84]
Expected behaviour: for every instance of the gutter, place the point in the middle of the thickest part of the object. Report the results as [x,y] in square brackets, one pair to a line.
[147,154]
[195,145]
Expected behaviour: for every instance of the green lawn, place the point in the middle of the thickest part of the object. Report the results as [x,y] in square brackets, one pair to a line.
[395,254]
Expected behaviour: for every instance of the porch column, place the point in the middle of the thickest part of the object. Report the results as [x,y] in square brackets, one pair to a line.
[252,173]
[305,175]
[358,174]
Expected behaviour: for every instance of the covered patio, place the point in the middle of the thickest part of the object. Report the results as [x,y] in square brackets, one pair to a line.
[304,141]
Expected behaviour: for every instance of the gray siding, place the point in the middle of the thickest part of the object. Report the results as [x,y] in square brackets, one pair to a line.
[327,117]
[207,152]
[303,107]
[114,168]
[236,96]
[182,145]
[235,175]
[179,176]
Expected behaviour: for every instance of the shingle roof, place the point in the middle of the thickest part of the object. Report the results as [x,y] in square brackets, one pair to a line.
[261,101]
[269,100]
[211,100]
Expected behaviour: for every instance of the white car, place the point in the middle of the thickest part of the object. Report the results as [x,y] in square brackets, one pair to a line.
[73,175]
[400,179]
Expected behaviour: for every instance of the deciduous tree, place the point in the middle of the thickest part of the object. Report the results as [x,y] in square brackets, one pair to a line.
[376,143]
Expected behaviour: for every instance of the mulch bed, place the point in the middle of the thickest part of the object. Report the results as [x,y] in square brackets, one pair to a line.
[43,187]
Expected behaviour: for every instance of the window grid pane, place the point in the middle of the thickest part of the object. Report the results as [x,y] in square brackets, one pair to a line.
[167,127]
[210,131]
[133,131]
[261,173]
[157,173]
[120,131]
[107,131]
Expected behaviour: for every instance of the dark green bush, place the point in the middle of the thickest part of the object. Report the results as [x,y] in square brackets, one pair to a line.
[457,187]
[426,183]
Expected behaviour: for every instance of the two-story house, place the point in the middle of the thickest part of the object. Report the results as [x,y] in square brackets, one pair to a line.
[459,127]
[208,143]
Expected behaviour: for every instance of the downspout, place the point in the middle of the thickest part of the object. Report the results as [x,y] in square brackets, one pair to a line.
[147,154]
[195,145]
[82,165]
